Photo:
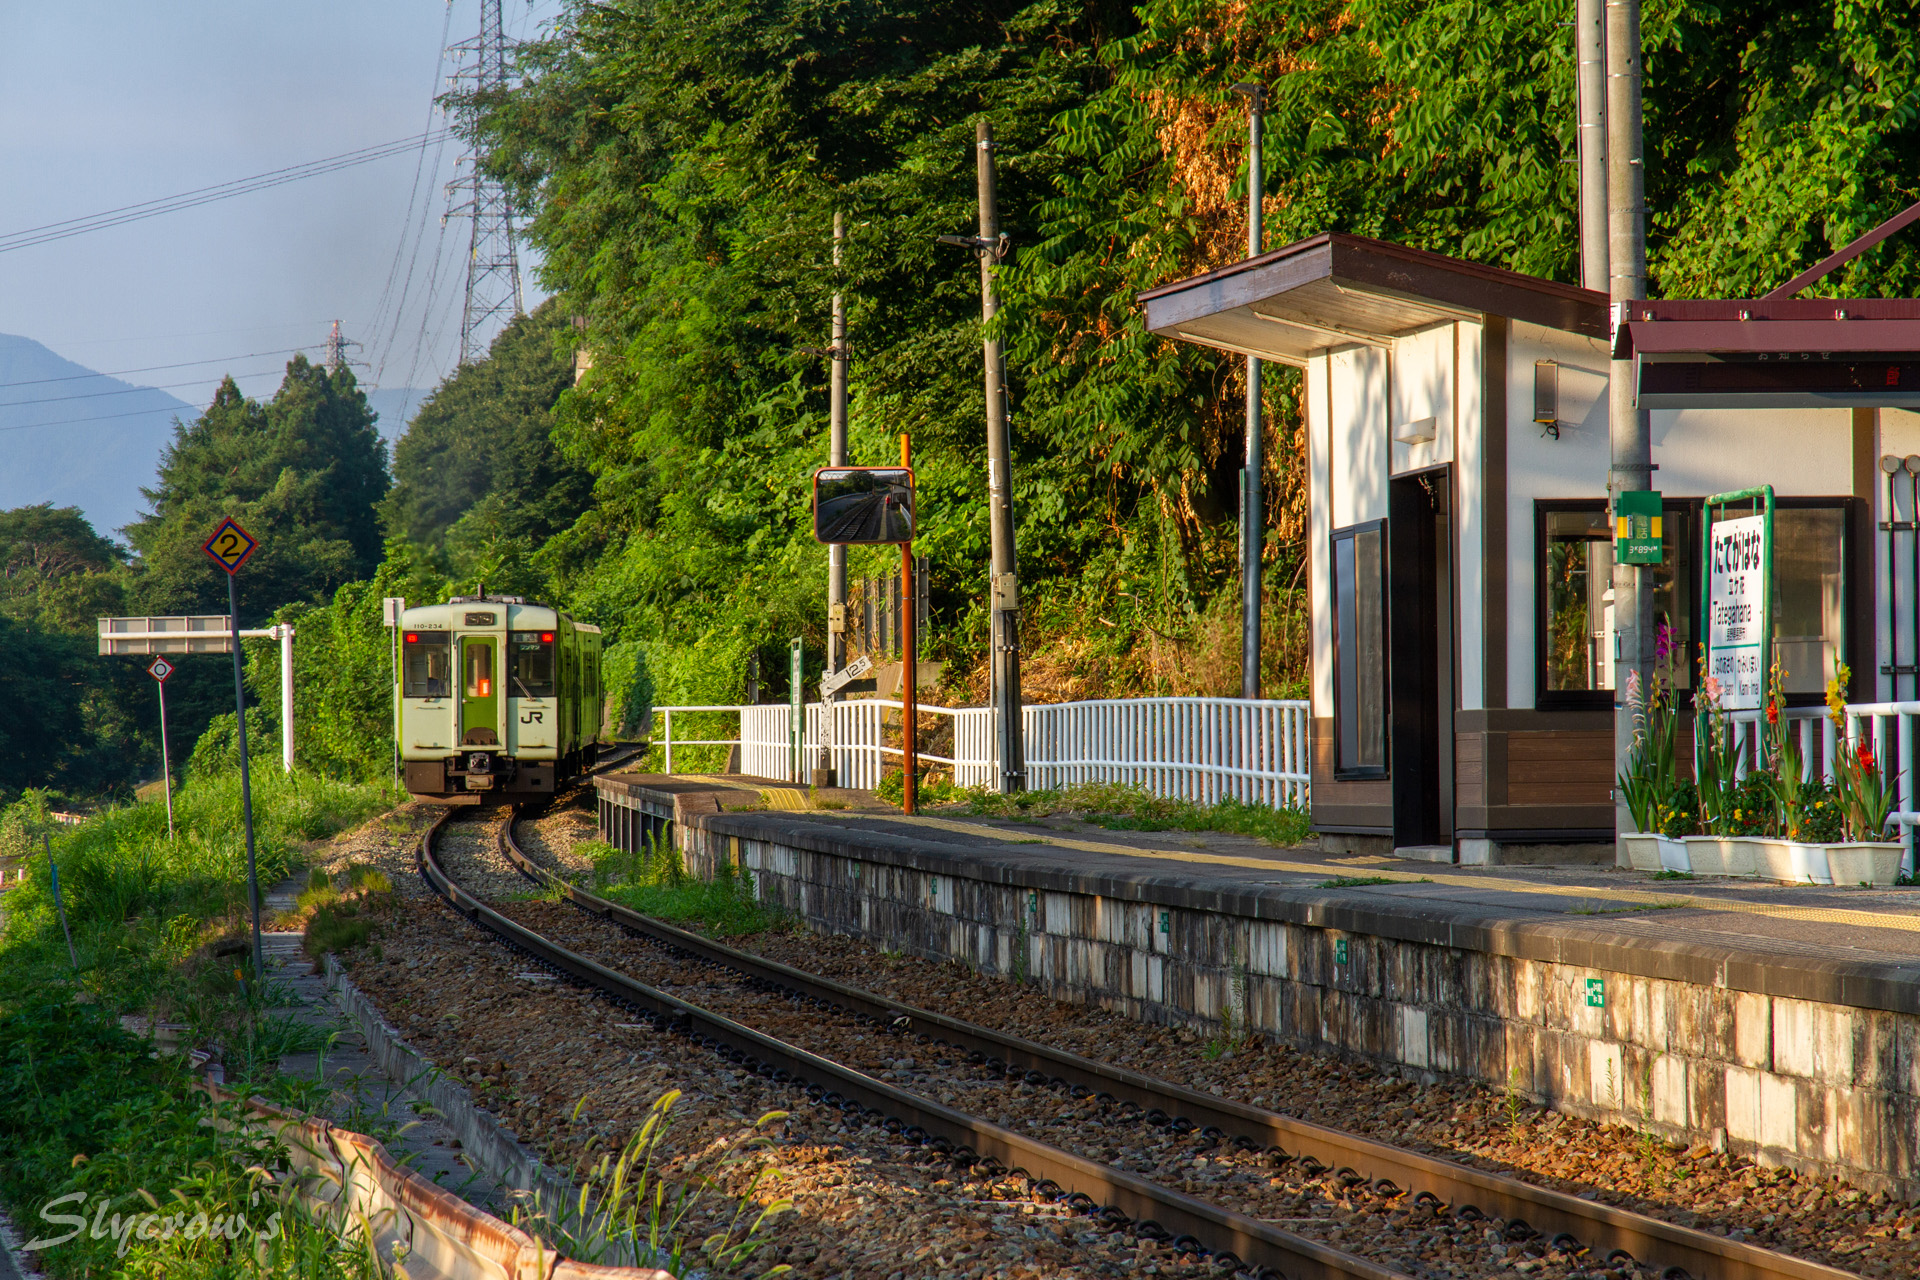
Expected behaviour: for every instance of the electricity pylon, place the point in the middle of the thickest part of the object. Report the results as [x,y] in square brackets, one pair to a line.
[493,262]
[337,344]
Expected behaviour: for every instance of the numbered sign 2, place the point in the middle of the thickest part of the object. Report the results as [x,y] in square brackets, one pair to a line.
[230,545]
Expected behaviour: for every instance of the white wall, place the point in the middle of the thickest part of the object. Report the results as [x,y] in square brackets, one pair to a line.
[1319,527]
[1800,452]
[1470,518]
[1357,416]
[1420,387]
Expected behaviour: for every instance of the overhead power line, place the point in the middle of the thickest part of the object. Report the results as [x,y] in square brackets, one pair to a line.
[152,368]
[207,195]
[130,391]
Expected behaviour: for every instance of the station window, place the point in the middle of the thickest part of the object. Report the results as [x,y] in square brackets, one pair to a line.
[1810,547]
[425,671]
[532,669]
[1360,650]
[1575,573]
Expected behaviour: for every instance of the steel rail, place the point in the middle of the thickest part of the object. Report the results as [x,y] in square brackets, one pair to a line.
[1604,1229]
[1112,1194]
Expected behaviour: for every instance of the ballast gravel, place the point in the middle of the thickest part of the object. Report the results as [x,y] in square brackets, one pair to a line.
[572,1077]
[1820,1219]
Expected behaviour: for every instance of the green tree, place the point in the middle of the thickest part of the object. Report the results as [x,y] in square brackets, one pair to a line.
[477,475]
[303,472]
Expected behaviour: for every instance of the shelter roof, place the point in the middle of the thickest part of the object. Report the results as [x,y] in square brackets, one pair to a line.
[1335,290]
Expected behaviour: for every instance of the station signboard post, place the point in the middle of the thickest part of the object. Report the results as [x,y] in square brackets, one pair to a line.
[1739,606]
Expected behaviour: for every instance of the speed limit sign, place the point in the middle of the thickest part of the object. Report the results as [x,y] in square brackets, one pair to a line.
[160,669]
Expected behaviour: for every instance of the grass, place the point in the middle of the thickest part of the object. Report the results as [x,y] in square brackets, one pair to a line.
[1360,882]
[657,883]
[94,1114]
[1118,807]
[1671,875]
[341,916]
[1588,909]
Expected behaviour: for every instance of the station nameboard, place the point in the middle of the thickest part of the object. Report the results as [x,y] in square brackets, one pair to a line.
[1739,563]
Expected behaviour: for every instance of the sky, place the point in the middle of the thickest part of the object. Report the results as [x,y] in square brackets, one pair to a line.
[108,103]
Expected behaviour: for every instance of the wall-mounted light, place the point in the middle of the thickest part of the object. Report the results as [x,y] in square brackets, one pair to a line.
[1546,397]
[1419,431]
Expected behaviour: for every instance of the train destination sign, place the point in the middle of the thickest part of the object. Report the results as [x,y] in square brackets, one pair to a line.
[230,545]
[863,505]
[1737,564]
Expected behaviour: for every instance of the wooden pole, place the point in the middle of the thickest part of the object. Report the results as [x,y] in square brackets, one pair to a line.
[910,663]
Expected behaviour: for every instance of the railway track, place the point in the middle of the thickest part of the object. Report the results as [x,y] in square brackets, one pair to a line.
[1410,1187]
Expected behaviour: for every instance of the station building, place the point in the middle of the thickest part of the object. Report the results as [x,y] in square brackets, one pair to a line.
[1459,539]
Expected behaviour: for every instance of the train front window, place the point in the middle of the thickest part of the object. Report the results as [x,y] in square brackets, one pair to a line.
[532,664]
[479,670]
[424,673]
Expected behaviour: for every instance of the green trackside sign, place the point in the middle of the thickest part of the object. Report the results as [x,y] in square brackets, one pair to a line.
[1636,527]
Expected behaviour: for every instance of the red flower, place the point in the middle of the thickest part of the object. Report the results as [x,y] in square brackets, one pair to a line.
[1866,757]
[1773,713]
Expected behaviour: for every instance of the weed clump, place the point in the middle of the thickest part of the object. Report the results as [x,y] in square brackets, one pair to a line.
[1120,807]
[655,881]
[342,916]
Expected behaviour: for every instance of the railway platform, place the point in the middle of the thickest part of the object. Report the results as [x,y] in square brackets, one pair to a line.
[1777,1021]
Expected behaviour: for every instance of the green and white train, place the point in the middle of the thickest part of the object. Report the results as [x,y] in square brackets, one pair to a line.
[498,697]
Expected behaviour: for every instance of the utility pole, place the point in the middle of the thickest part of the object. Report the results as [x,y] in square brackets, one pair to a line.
[493,262]
[1004,626]
[1003,613]
[1630,438]
[1590,40]
[1252,492]
[826,775]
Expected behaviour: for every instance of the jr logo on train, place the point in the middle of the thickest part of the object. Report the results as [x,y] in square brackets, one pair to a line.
[499,697]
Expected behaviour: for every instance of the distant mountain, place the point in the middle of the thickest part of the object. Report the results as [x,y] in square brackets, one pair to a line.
[396,407]
[77,438]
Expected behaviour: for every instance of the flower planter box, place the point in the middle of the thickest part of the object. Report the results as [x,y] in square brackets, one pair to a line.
[1657,853]
[1764,858]
[1867,862]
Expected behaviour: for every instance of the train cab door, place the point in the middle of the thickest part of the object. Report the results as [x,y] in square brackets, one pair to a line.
[479,691]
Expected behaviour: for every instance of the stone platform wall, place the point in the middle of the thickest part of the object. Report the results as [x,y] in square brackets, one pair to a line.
[1806,1063]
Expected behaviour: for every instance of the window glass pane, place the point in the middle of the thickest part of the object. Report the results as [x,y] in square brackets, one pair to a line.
[479,670]
[424,672]
[1809,599]
[1360,661]
[532,664]
[1577,590]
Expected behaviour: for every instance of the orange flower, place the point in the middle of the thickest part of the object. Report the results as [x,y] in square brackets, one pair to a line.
[1866,757]
[1773,713]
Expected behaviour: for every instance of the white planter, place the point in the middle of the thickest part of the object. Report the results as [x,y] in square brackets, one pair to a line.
[1649,852]
[1875,862]
[1707,855]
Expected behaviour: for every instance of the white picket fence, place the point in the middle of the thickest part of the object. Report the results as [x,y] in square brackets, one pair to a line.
[1200,749]
[1892,729]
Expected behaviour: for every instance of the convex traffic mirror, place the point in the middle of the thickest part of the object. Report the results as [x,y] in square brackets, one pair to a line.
[863,505]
